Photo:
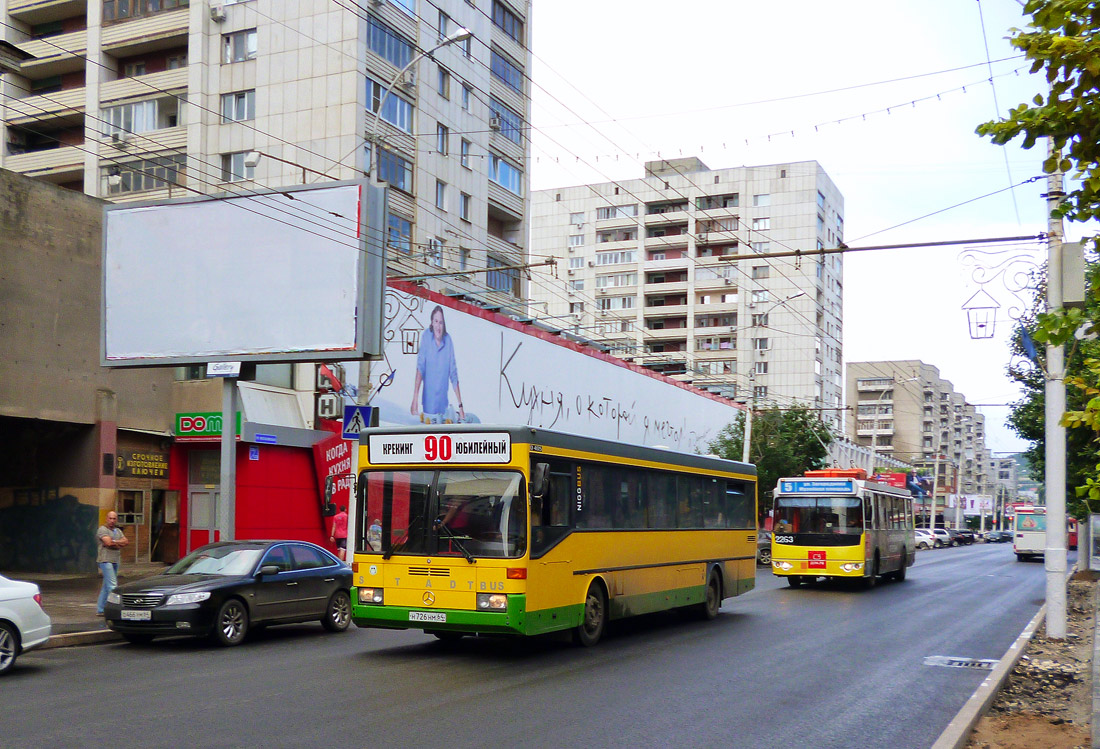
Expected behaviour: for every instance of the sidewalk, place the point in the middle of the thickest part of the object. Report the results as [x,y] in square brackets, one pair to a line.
[70,600]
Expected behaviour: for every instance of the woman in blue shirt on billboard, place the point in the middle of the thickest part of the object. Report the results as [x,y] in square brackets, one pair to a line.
[435,369]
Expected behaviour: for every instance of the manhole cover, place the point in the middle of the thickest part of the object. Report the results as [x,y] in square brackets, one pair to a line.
[985,664]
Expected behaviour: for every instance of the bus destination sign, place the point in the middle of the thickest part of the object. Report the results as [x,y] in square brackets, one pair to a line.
[817,486]
[485,447]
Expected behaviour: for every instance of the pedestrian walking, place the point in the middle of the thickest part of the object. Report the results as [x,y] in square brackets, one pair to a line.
[339,535]
[109,543]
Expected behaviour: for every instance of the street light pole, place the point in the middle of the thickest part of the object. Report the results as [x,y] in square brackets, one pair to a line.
[363,391]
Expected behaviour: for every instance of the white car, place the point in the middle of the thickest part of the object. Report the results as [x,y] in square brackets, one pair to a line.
[23,623]
[925,539]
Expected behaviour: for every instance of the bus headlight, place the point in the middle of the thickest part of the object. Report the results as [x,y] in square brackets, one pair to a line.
[371,595]
[492,602]
[852,566]
[782,565]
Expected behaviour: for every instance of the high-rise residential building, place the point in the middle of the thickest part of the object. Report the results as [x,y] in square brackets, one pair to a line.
[673,271]
[904,409]
[156,99]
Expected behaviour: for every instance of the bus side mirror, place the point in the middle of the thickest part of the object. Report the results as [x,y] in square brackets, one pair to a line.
[540,479]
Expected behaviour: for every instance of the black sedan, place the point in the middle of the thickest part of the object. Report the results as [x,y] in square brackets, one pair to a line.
[223,589]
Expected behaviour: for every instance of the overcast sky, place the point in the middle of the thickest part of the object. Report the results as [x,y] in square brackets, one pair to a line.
[617,83]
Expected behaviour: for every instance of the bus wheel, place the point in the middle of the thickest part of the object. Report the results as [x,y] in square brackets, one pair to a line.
[712,600]
[795,581]
[899,576]
[590,630]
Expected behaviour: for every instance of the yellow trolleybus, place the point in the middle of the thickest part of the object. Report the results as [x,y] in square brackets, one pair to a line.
[472,529]
[835,523]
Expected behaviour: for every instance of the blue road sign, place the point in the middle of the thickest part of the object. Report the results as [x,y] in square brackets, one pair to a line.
[356,420]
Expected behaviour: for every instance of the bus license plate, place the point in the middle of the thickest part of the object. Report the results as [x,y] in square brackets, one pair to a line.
[136,616]
[437,617]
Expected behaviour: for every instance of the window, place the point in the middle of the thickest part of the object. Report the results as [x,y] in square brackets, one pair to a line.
[465,97]
[239,46]
[445,24]
[577,285]
[395,170]
[577,219]
[234,169]
[612,280]
[464,206]
[133,69]
[716,343]
[239,106]
[760,344]
[506,71]
[758,296]
[760,321]
[760,201]
[136,117]
[760,271]
[761,247]
[616,302]
[442,136]
[387,43]
[616,211]
[175,62]
[435,252]
[504,174]
[760,392]
[444,83]
[463,258]
[441,195]
[505,279]
[510,121]
[761,367]
[507,21]
[399,233]
[395,111]
[117,10]
[820,200]
[464,153]
[611,258]
[761,224]
[576,240]
[576,262]
[576,307]
[709,202]
[151,174]
[616,235]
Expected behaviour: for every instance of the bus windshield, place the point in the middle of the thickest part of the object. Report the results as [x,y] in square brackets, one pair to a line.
[828,515]
[467,513]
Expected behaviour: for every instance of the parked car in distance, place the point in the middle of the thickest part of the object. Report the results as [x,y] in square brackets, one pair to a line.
[965,535]
[223,589]
[998,537]
[925,539]
[764,547]
[23,623]
[942,537]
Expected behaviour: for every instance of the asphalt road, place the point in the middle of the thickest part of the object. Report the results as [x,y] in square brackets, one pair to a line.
[821,666]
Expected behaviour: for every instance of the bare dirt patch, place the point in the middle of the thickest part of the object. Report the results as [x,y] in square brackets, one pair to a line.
[1047,700]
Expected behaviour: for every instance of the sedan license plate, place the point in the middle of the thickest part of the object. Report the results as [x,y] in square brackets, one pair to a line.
[438,617]
[136,616]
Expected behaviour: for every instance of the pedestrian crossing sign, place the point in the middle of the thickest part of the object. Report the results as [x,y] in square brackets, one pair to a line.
[356,419]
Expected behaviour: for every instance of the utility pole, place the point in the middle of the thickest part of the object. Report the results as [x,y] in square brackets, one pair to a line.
[1054,432]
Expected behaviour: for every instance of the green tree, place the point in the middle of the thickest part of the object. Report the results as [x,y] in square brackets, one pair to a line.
[785,442]
[1063,41]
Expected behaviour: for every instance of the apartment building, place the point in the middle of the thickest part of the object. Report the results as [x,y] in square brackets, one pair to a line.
[662,271]
[904,409]
[156,99]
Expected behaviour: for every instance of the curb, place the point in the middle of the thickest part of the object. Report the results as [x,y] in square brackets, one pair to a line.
[957,733]
[95,637]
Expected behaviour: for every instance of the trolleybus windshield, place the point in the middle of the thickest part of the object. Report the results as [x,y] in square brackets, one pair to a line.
[466,513]
[826,521]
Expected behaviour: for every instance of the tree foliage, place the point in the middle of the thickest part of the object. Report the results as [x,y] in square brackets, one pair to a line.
[1063,41]
[785,442]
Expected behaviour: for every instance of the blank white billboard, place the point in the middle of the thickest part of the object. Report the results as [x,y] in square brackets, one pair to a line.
[293,275]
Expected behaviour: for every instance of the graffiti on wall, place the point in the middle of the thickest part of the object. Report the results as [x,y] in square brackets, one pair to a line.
[43,532]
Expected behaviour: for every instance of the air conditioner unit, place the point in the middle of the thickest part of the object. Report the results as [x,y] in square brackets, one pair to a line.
[494,124]
[591,263]
[572,293]
[119,139]
[570,271]
[217,12]
[408,80]
[729,282]
[570,250]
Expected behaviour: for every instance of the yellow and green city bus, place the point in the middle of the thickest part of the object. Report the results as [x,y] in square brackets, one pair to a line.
[472,529]
[834,523]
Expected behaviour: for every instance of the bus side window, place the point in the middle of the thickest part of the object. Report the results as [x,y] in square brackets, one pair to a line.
[553,524]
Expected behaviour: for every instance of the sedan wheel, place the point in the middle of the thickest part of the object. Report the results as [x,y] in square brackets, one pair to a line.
[765,556]
[231,626]
[337,613]
[8,649]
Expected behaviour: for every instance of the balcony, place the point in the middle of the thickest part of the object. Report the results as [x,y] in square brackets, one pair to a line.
[169,138]
[51,161]
[667,334]
[135,37]
[38,108]
[504,248]
[55,55]
[44,11]
[143,85]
